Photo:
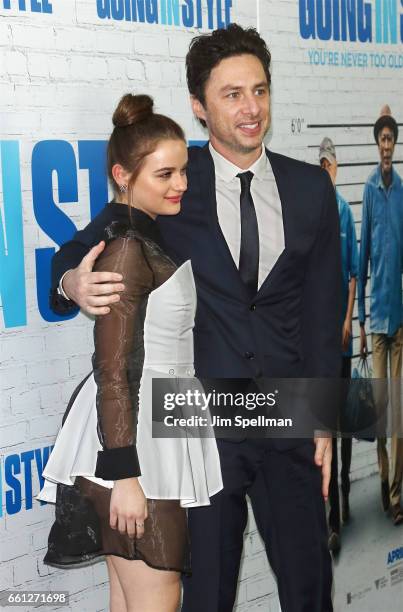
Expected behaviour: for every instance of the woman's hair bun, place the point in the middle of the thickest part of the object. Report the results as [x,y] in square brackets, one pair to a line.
[132,109]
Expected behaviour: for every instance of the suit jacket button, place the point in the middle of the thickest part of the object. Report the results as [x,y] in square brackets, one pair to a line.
[249,355]
[253,307]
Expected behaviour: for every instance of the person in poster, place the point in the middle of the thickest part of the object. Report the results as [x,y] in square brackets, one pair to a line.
[382,245]
[349,258]
[262,233]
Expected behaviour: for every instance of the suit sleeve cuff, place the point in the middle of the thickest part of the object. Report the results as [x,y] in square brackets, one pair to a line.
[60,305]
[59,300]
[60,288]
[117,463]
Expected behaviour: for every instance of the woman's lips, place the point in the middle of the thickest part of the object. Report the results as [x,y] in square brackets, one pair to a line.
[174,200]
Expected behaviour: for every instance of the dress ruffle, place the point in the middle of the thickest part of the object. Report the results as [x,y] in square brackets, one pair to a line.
[184,468]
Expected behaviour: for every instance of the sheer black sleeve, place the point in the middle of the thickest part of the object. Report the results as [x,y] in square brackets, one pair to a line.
[117,337]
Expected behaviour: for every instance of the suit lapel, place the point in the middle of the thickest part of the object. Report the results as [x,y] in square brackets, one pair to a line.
[208,188]
[283,184]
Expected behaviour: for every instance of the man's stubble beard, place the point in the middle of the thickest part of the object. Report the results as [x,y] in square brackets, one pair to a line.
[238,147]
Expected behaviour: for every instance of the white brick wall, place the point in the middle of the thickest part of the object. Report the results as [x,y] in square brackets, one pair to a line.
[60,78]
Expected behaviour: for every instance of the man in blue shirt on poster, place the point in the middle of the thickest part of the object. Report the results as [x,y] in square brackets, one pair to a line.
[382,245]
[349,255]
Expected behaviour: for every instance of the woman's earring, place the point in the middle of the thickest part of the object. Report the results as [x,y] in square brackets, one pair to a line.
[123,188]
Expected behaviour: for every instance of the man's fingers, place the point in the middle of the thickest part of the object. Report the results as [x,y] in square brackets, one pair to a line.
[101,310]
[104,288]
[325,478]
[323,458]
[88,261]
[319,454]
[94,301]
[106,277]
[81,283]
[326,471]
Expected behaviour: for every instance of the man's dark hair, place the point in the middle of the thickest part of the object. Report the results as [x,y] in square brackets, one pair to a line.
[386,121]
[208,50]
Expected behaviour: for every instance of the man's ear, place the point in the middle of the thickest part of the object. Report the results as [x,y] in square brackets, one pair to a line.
[197,108]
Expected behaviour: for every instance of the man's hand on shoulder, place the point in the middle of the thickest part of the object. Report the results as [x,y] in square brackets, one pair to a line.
[92,291]
[323,459]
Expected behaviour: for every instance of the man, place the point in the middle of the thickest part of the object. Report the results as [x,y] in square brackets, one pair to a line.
[349,258]
[263,310]
[382,244]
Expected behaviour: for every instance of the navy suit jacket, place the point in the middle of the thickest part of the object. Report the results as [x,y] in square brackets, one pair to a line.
[292,326]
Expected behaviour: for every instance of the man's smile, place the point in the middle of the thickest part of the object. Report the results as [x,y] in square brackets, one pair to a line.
[251,128]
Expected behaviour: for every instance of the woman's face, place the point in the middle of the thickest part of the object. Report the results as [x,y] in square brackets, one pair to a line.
[162,180]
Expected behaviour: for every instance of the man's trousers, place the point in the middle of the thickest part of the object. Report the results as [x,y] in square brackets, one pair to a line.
[285,491]
[345,453]
[382,347]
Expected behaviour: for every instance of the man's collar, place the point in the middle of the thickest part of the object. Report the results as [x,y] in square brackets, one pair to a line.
[227,171]
[379,179]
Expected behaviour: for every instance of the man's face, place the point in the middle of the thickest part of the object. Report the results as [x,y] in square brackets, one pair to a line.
[331,168]
[386,146]
[237,106]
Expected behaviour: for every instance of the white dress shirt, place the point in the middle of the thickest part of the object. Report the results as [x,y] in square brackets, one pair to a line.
[267,205]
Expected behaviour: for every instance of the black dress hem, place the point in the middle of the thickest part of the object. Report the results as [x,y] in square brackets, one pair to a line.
[98,557]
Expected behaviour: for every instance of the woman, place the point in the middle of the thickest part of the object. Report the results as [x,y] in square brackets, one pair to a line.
[118,491]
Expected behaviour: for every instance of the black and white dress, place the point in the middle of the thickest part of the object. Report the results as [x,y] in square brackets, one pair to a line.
[106,432]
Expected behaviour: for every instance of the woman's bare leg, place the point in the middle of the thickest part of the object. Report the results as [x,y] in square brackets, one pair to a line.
[117,601]
[146,589]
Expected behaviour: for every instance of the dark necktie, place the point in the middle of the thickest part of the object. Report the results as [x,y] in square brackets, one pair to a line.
[249,252]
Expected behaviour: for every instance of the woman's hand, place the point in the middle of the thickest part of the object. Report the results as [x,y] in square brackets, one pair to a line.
[128,509]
